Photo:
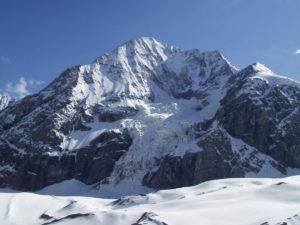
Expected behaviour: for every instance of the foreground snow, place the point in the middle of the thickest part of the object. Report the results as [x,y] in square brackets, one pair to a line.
[228,201]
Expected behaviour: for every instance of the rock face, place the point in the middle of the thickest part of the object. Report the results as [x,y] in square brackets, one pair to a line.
[151,114]
[214,162]
[266,116]
[89,164]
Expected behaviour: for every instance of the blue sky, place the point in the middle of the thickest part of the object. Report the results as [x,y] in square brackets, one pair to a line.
[41,38]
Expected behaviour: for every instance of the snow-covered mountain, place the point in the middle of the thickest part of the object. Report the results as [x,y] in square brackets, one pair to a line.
[231,201]
[151,116]
[5,100]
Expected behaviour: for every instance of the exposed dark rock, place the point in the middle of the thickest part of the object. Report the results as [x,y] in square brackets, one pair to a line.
[112,115]
[148,217]
[45,216]
[71,216]
[213,162]
[96,162]
[280,183]
[90,164]
[266,119]
[128,201]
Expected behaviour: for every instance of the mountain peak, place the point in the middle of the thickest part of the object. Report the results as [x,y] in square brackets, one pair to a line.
[144,41]
[259,67]
[144,47]
[149,43]
[256,68]
[216,55]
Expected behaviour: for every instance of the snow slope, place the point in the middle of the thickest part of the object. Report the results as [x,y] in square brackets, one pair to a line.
[230,201]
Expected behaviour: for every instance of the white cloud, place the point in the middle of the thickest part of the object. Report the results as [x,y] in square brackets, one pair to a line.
[5,59]
[35,82]
[20,89]
[297,52]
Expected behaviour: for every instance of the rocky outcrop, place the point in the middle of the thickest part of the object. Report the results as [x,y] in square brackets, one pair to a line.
[265,117]
[90,164]
[111,115]
[215,161]
[149,217]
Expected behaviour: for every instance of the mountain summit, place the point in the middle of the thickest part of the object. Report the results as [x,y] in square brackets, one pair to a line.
[149,115]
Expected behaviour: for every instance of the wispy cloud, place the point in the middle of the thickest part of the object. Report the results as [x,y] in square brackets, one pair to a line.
[5,59]
[297,52]
[35,82]
[21,88]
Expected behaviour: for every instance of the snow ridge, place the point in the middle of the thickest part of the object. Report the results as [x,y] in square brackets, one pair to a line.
[5,100]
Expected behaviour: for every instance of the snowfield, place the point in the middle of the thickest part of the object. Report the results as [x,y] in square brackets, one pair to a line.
[244,201]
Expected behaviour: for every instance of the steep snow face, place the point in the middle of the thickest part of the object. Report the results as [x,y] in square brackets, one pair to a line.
[118,79]
[120,75]
[232,201]
[4,101]
[133,75]
[130,66]
[189,73]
